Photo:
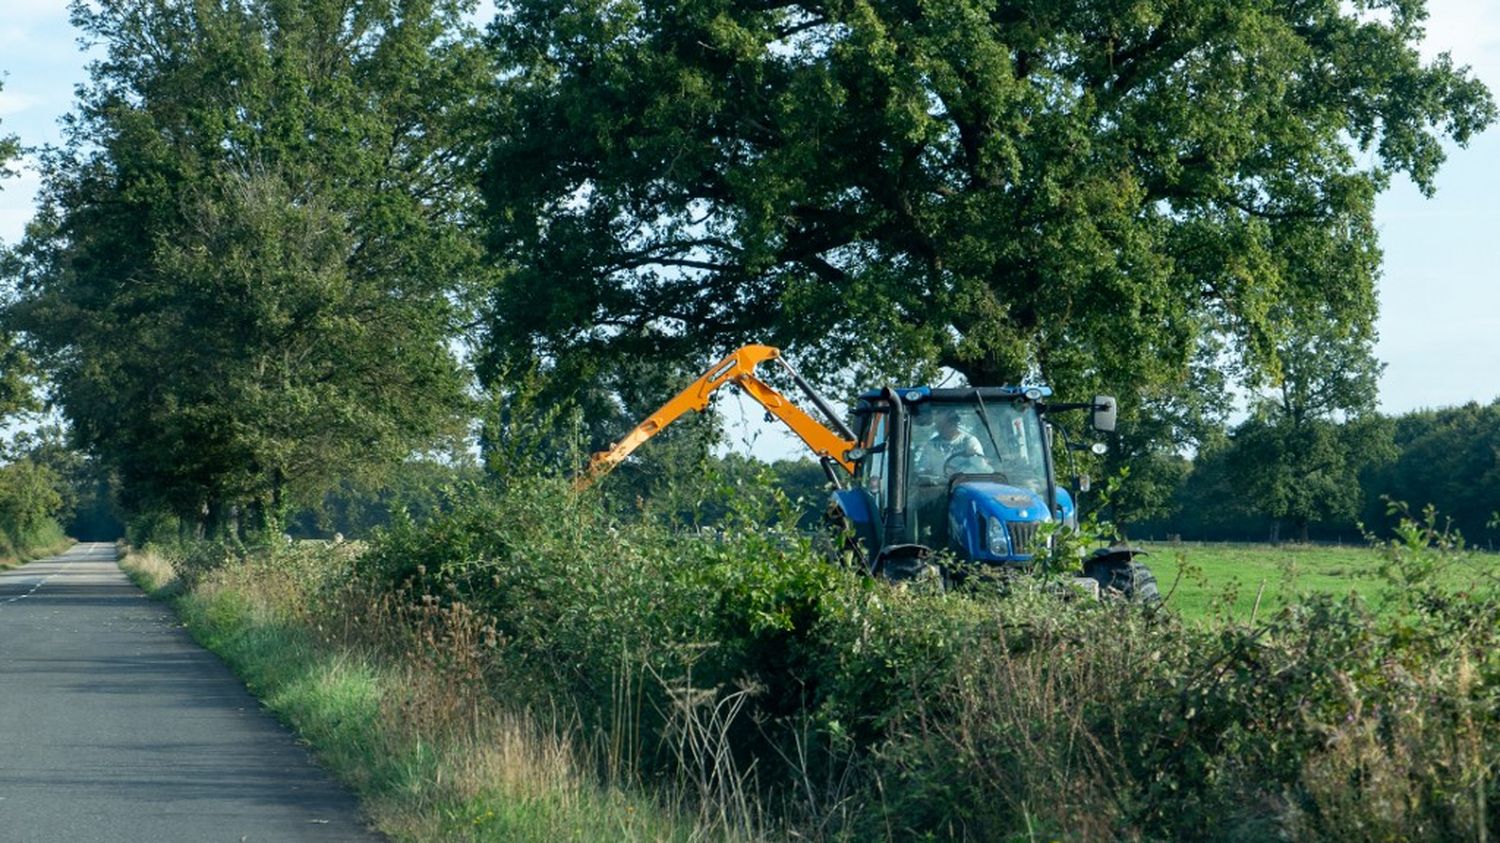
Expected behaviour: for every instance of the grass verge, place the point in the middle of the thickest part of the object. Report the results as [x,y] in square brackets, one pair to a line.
[48,540]
[489,776]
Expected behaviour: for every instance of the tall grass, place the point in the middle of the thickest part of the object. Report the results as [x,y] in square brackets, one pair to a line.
[531,652]
[403,722]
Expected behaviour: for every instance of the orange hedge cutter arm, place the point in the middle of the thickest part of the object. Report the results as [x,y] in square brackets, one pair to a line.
[739,369]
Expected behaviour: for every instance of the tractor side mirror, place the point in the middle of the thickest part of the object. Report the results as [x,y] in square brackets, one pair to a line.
[1085,483]
[1104,413]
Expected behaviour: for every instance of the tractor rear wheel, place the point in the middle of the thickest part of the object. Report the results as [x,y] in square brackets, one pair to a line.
[1126,578]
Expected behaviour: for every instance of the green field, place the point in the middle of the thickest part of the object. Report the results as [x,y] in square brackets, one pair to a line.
[1222,580]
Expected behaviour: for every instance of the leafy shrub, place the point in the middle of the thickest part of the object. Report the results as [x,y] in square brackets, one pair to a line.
[29,498]
[741,669]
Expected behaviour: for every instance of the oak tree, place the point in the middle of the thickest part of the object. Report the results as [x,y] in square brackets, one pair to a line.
[1085,191]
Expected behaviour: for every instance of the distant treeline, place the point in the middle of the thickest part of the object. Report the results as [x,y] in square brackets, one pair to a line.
[1448,458]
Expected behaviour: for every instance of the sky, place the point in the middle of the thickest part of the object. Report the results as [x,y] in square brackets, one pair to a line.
[1440,303]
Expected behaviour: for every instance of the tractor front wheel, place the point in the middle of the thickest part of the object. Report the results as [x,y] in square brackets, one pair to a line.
[841,541]
[909,563]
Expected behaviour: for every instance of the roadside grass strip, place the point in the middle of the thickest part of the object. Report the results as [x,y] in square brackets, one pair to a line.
[497,776]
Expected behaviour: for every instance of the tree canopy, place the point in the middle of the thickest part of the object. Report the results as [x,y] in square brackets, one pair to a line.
[1449,459]
[16,372]
[1086,191]
[15,367]
[1300,455]
[252,253]
[280,231]
[10,147]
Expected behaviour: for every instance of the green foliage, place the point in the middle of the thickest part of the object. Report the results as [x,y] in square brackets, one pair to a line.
[1337,473]
[1300,456]
[1096,191]
[904,713]
[1307,473]
[16,369]
[1447,458]
[30,497]
[1307,450]
[88,510]
[1147,449]
[420,488]
[251,258]
[17,389]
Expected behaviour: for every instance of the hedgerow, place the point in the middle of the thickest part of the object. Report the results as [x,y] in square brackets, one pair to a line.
[788,696]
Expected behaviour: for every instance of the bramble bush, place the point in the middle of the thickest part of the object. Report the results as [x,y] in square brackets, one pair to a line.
[786,695]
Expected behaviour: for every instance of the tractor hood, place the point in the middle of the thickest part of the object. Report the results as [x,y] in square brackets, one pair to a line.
[1010,503]
[997,522]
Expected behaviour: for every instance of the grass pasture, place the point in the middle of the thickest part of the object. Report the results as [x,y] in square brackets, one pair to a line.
[1223,581]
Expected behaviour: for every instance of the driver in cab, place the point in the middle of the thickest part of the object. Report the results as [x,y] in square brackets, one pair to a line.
[951,449]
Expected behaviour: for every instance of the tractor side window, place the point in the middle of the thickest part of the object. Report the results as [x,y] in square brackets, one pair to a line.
[876,463]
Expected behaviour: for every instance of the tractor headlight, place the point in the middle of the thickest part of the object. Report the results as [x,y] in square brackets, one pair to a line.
[996,538]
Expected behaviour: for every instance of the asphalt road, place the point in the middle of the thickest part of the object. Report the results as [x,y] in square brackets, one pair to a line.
[115,726]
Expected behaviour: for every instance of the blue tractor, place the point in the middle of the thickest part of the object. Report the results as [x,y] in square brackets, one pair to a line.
[970,471]
[925,470]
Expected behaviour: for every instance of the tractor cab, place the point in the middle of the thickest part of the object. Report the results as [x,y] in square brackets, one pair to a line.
[966,470]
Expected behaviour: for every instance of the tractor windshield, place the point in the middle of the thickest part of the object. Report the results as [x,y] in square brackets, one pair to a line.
[952,438]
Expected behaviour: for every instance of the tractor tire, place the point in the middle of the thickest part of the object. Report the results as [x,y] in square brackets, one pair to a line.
[1125,578]
[901,569]
[910,564]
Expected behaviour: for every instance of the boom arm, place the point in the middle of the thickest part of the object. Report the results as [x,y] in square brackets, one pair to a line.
[739,369]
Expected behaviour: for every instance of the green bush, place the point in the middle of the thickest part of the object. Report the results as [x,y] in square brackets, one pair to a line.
[740,668]
[30,497]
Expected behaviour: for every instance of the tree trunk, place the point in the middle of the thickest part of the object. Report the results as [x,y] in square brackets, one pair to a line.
[276,516]
[214,519]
